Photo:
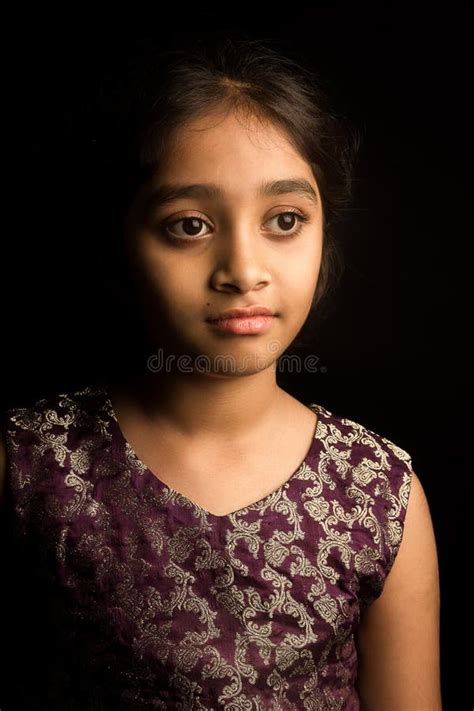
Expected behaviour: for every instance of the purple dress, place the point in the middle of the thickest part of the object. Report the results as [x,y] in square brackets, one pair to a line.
[124,594]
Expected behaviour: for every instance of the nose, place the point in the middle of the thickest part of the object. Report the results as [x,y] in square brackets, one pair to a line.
[240,261]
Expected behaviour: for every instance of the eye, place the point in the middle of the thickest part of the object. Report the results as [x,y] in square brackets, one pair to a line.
[290,222]
[191,226]
[287,221]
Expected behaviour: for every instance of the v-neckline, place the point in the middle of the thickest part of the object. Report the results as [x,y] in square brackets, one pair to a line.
[131,456]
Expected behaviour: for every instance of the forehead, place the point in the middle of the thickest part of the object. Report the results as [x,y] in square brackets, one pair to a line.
[229,147]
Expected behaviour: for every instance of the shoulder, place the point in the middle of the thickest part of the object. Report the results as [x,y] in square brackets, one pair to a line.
[398,634]
[358,436]
[13,421]
[398,638]
[58,407]
[367,478]
[366,459]
[368,442]
[41,425]
[414,574]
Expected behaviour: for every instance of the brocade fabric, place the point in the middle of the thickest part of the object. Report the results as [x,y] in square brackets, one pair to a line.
[123,594]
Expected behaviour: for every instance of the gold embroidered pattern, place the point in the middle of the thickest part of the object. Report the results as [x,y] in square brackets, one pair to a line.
[172,607]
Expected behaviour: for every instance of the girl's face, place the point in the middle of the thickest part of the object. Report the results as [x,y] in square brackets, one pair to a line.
[235,241]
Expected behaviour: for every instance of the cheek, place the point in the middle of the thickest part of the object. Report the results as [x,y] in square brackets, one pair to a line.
[313,262]
[305,267]
[301,280]
[150,267]
[166,285]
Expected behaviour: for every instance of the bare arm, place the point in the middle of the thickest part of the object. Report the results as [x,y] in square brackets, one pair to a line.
[398,636]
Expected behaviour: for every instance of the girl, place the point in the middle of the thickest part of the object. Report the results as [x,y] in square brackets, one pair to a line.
[191,536]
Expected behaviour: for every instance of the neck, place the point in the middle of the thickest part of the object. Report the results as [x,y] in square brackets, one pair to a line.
[198,406]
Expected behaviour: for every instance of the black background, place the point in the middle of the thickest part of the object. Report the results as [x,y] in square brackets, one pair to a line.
[395,351]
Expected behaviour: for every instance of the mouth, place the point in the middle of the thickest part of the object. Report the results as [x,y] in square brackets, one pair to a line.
[243,325]
[248,312]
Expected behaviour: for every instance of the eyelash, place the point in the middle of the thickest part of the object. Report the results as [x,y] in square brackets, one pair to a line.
[302,220]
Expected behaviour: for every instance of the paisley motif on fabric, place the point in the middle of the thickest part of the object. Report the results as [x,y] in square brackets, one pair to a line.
[150,602]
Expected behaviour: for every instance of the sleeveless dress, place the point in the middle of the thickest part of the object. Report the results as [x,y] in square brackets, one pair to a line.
[124,594]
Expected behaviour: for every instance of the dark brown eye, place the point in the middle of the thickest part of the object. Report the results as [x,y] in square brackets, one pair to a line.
[189,227]
[287,220]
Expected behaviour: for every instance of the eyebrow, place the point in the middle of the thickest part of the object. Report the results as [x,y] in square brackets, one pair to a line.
[167,193]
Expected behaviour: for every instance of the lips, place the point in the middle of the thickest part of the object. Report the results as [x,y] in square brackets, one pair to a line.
[243,313]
